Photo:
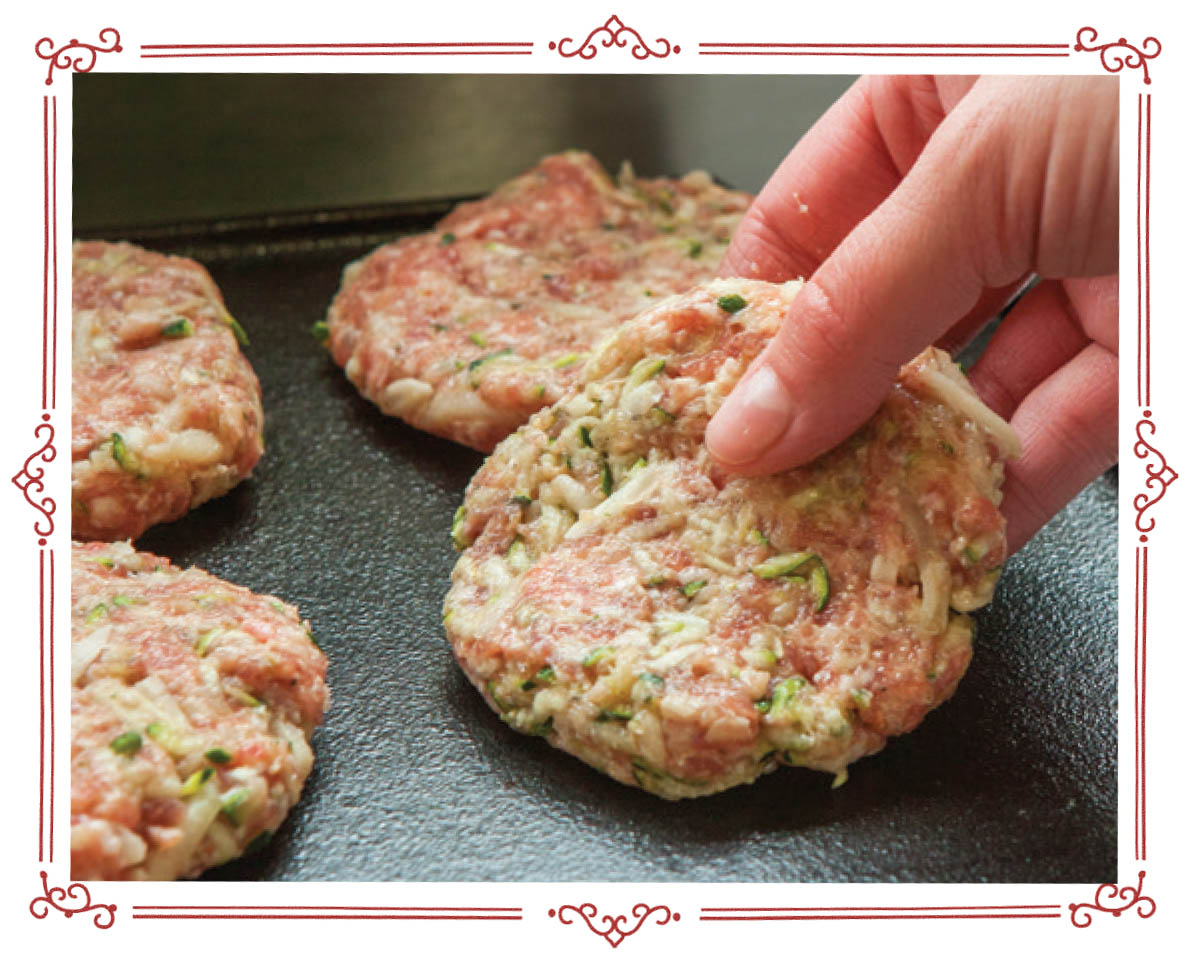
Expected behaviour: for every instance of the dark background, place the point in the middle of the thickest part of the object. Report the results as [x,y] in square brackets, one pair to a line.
[348,514]
[157,149]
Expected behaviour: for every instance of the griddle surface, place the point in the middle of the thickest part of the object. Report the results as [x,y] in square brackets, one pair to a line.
[347,517]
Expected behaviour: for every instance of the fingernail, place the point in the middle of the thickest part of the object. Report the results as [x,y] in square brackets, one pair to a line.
[753,418]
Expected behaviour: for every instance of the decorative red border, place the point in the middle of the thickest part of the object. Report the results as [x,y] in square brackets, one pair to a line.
[614,33]
[471,48]
[774,49]
[74,55]
[1111,59]
[1141,564]
[614,931]
[82,57]
[886,913]
[326,912]
[1121,899]
[78,895]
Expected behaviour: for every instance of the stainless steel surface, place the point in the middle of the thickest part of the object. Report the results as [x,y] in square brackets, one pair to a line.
[154,149]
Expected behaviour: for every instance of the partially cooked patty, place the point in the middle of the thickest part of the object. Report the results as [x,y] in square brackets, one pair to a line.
[686,629]
[167,411]
[192,705]
[467,330]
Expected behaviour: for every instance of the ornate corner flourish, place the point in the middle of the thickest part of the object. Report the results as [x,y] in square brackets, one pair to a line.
[29,480]
[614,931]
[614,31]
[76,893]
[1156,473]
[63,59]
[1111,59]
[1122,899]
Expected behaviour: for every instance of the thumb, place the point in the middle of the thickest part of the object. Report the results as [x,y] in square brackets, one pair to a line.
[1021,176]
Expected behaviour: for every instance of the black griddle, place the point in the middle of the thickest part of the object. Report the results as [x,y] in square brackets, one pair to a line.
[415,779]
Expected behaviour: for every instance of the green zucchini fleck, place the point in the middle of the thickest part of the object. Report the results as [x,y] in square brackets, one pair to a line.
[642,371]
[546,674]
[231,805]
[787,566]
[757,536]
[246,699]
[597,655]
[178,328]
[639,463]
[457,528]
[585,437]
[692,588]
[478,340]
[731,303]
[694,248]
[217,755]
[484,360]
[127,743]
[661,416]
[542,728]
[606,478]
[502,705]
[785,692]
[237,329]
[203,644]
[446,238]
[321,331]
[652,678]
[522,499]
[763,705]
[783,565]
[95,614]
[821,586]
[861,697]
[614,713]
[192,784]
[566,360]
[121,599]
[124,459]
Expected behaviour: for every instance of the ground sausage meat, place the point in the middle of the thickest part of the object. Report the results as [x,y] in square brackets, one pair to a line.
[467,330]
[685,629]
[167,411]
[192,705]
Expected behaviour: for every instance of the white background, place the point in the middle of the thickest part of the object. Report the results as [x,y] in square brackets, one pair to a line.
[1106,939]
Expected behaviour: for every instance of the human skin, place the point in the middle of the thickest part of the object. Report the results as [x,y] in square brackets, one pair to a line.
[916,207]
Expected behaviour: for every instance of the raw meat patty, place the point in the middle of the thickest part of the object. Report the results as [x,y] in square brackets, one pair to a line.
[467,330]
[685,629]
[167,412]
[192,706]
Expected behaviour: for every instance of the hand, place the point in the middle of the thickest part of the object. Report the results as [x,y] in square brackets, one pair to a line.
[916,207]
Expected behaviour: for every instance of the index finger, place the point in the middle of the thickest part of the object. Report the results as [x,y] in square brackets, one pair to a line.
[838,173]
